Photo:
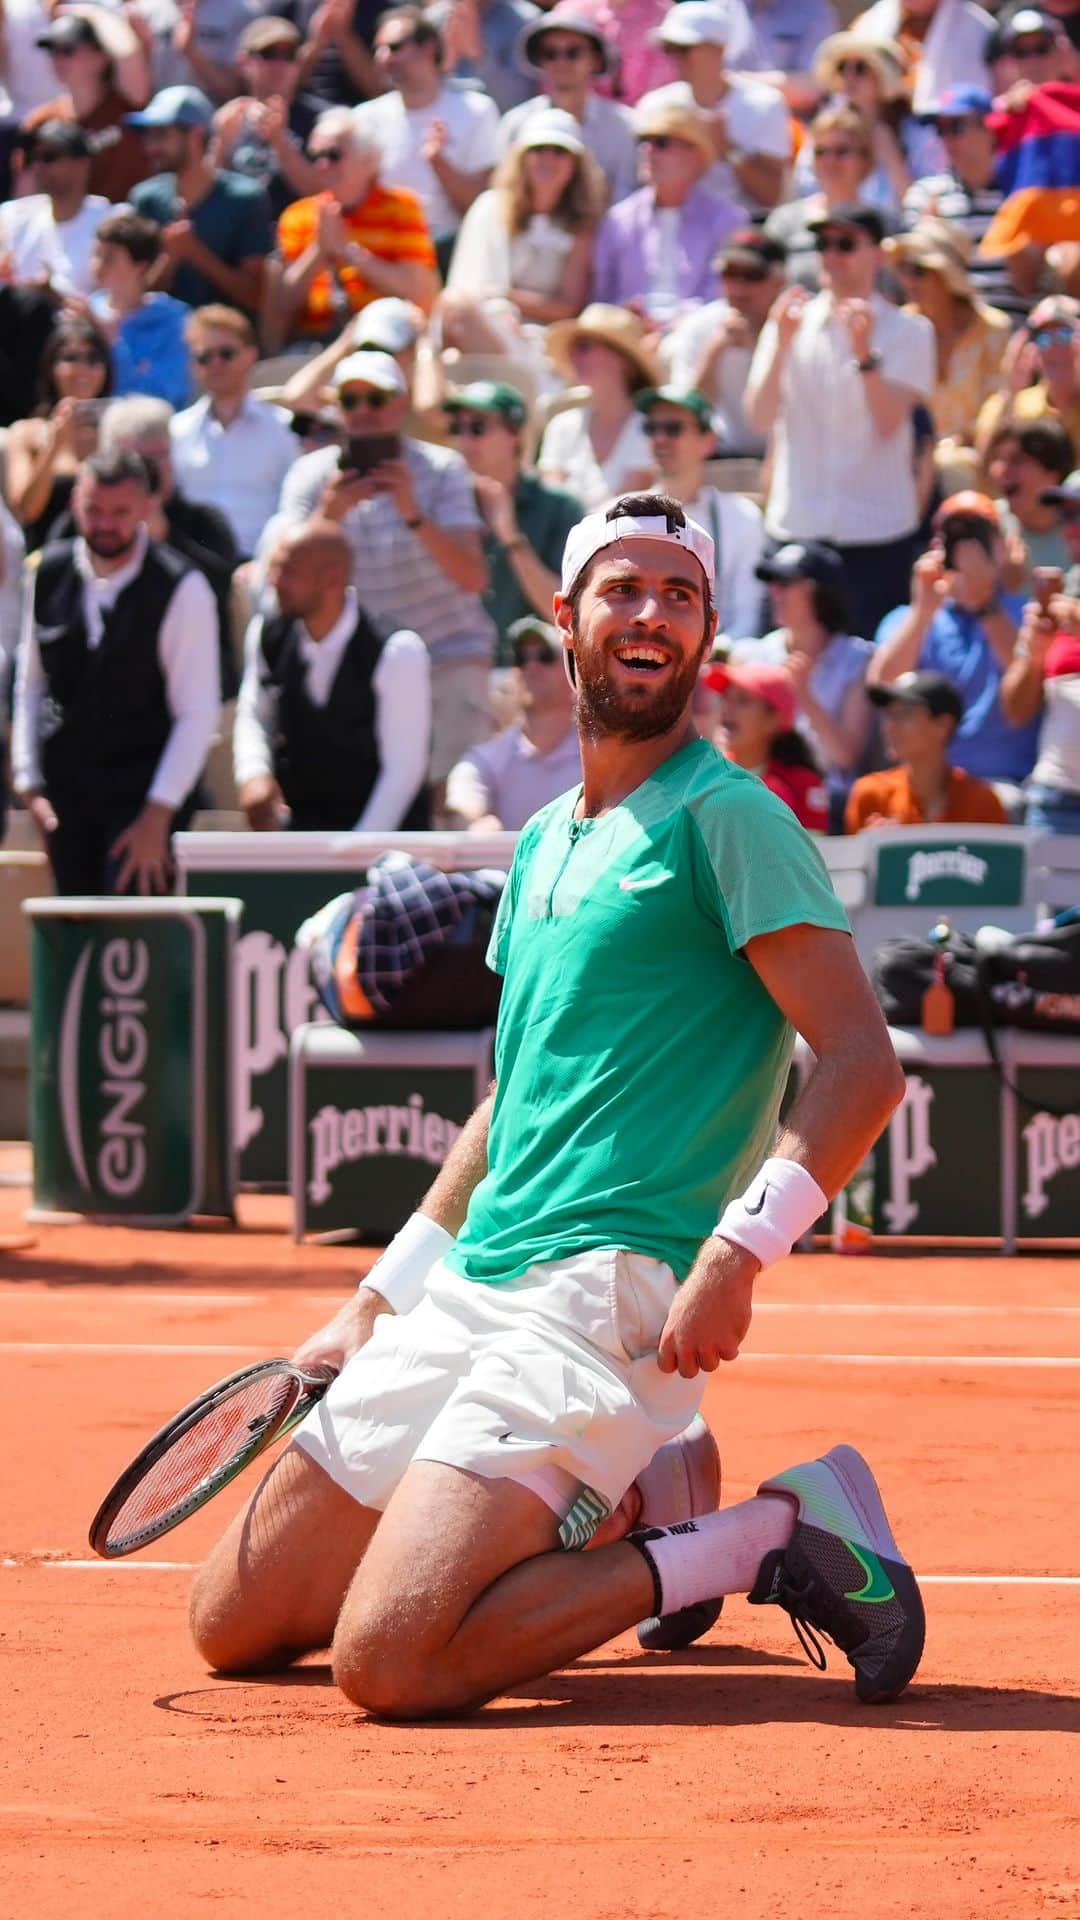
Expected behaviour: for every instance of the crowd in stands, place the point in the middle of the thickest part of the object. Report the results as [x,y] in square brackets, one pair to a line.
[322,323]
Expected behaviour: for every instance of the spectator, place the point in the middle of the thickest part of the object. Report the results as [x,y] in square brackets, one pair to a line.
[839,376]
[945,41]
[570,55]
[1033,48]
[525,522]
[350,243]
[827,663]
[503,782]
[1046,351]
[757,730]
[388,326]
[680,429]
[100,63]
[200,532]
[631,29]
[481,40]
[962,623]
[1025,463]
[965,194]
[215,226]
[920,715]
[333,720]
[599,448]
[231,450]
[1042,681]
[205,44]
[786,37]
[414,530]
[842,156]
[48,237]
[870,76]
[971,337]
[262,132]
[147,330]
[523,257]
[44,452]
[440,141]
[116,693]
[748,121]
[655,250]
[711,349]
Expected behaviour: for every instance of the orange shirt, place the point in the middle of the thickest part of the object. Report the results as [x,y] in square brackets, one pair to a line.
[888,797]
[390,223]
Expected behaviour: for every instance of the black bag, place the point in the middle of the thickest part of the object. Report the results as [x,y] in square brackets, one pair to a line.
[1033,982]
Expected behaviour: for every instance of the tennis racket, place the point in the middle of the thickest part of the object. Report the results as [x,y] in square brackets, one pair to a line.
[201,1450]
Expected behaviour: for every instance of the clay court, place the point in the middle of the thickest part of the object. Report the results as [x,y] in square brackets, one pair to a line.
[729,1779]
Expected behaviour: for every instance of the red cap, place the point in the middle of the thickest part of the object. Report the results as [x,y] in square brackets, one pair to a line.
[979,504]
[771,684]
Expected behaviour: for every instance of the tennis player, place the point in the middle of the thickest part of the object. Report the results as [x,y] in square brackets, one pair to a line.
[588,1252]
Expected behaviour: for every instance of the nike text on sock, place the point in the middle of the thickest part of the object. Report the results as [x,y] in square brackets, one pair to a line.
[716,1553]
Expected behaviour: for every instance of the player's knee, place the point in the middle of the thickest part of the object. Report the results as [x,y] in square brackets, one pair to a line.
[392,1678]
[224,1631]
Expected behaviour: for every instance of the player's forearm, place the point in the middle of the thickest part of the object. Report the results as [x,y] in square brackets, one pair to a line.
[842,1109]
[447,1199]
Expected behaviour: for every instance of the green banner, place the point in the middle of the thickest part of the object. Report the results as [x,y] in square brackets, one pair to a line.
[937,873]
[938,1166]
[1048,1153]
[128,1118]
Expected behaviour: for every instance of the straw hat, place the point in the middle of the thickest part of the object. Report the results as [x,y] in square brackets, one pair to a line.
[614,327]
[928,245]
[678,122]
[888,61]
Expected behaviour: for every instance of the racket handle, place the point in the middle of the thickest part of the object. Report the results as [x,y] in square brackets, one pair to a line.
[322,1373]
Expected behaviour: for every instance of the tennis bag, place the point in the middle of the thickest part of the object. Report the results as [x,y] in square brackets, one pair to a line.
[1032,981]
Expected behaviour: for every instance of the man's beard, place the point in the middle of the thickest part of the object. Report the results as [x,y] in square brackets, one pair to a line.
[109,546]
[604,711]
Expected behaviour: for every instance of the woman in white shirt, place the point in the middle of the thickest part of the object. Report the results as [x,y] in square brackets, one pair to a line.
[599,448]
[524,250]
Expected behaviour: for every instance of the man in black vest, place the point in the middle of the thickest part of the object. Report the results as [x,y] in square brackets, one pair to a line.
[333,722]
[117,690]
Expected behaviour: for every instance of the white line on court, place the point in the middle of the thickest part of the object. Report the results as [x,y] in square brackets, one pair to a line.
[771,1359]
[56,1564]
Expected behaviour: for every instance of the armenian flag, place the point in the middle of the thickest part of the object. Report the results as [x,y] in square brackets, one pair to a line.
[1039,169]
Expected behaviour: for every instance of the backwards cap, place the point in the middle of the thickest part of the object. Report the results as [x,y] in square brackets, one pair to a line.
[597,531]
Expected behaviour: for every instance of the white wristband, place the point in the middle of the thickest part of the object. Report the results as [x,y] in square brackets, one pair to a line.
[779,1206]
[400,1274]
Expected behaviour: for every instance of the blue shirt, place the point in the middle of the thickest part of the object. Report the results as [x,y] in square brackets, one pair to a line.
[956,645]
[233,221]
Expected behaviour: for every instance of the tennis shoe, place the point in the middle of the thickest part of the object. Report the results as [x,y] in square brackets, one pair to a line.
[843,1575]
[681,1480]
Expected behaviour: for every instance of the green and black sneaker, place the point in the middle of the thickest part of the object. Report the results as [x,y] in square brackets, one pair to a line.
[842,1575]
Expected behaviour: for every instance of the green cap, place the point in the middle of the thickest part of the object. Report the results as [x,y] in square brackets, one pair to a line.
[489,396]
[692,401]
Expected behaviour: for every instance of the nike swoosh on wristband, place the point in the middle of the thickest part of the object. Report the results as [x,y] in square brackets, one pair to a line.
[629,885]
[761,1202]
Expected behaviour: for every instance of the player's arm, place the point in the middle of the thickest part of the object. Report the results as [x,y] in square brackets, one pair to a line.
[814,976]
[398,1278]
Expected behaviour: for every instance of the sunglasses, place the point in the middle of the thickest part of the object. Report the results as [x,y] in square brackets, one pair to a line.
[1034,50]
[950,129]
[266,54]
[858,68]
[665,429]
[396,46]
[660,142]
[1053,336]
[52,156]
[835,242]
[535,657]
[834,153]
[545,53]
[472,429]
[74,359]
[208,355]
[333,156]
[309,427]
[745,276]
[353,397]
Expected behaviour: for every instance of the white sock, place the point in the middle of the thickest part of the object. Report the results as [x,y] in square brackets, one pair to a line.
[718,1553]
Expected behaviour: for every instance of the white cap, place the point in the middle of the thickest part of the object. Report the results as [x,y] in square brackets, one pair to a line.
[696,23]
[551,127]
[387,325]
[596,532]
[370,370]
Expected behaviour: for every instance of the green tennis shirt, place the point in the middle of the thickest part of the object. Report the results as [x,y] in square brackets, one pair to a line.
[640,1060]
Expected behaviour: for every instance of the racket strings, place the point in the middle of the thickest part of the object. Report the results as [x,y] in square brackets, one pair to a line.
[207,1451]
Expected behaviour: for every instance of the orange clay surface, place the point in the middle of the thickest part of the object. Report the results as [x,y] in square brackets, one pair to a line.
[729,1780]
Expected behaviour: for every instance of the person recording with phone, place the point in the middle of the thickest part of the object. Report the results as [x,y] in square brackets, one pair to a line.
[44,451]
[1043,678]
[408,511]
[962,623]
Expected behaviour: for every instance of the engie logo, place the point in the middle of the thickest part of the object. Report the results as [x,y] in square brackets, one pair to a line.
[1052,1146]
[944,863]
[122,1045]
[362,1133]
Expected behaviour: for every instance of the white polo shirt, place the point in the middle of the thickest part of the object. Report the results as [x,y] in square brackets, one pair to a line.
[472,123]
[834,476]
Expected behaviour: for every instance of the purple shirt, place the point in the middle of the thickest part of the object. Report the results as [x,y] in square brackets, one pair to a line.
[628,263]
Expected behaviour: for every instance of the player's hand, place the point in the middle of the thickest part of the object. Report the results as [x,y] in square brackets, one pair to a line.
[710,1314]
[349,1330]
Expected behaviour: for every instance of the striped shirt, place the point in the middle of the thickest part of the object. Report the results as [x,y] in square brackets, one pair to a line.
[390,223]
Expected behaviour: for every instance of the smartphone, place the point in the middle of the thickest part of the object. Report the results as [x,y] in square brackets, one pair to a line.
[362,453]
[1046,582]
[89,412]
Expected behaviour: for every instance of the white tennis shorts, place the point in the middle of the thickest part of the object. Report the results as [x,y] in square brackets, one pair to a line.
[550,1380]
